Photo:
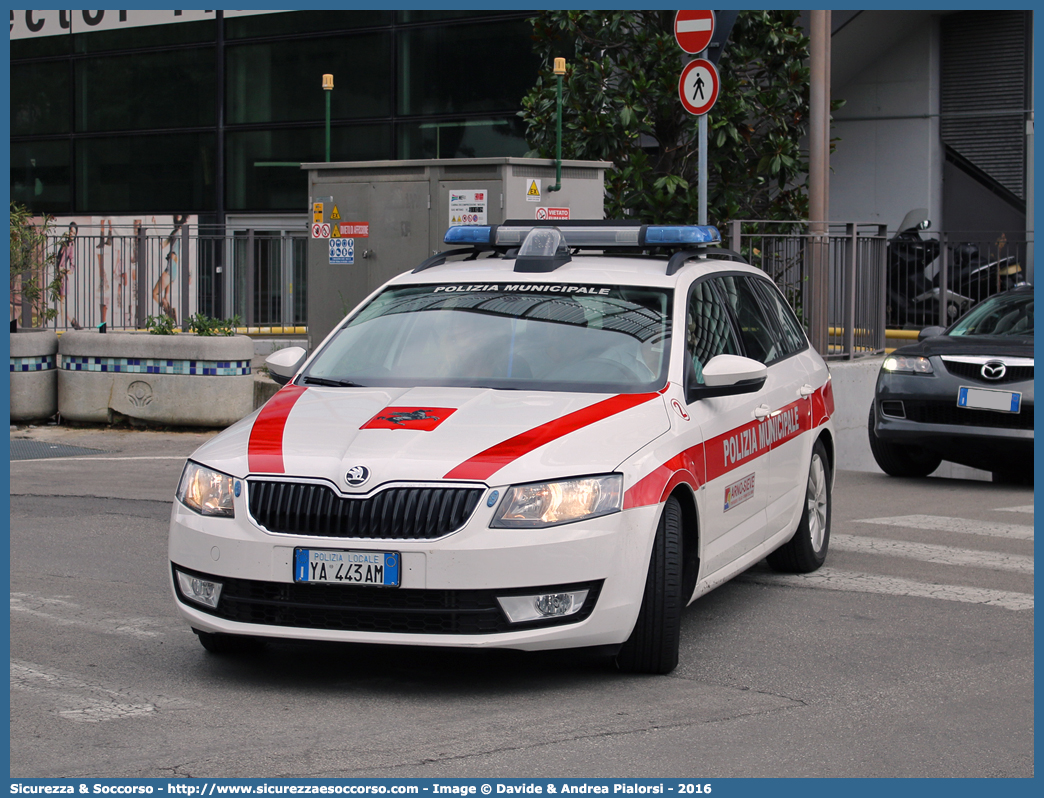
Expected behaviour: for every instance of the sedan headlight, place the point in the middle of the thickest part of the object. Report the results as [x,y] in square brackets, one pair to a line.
[906,363]
[544,504]
[207,492]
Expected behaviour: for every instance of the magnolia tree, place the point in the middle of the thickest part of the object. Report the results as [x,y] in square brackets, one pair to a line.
[620,104]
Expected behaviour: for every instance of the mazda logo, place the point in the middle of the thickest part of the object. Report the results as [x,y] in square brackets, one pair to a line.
[357,475]
[994,370]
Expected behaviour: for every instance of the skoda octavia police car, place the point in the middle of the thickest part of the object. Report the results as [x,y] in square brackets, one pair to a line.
[558,441]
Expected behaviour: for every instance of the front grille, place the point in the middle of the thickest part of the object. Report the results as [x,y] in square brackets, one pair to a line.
[973,371]
[927,412]
[365,609]
[298,508]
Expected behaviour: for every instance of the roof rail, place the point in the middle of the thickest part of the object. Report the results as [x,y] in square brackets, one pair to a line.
[440,258]
[680,258]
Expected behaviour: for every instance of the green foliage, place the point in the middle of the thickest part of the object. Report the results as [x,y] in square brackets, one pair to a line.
[198,323]
[161,325]
[33,260]
[202,324]
[620,104]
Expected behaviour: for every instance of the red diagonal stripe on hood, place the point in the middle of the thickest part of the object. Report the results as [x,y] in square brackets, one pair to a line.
[265,449]
[484,464]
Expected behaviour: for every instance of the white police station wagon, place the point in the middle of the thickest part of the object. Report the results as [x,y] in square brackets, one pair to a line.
[558,441]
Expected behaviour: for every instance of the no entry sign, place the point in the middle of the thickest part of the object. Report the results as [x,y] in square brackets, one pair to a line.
[693,30]
[698,86]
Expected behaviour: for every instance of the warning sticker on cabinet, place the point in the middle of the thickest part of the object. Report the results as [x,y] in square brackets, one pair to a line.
[354,229]
[342,251]
[467,206]
[543,214]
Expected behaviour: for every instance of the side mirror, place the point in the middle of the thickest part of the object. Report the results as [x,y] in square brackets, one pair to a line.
[728,375]
[283,364]
[930,332]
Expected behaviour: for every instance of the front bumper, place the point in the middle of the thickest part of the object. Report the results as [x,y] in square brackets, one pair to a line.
[448,589]
[921,410]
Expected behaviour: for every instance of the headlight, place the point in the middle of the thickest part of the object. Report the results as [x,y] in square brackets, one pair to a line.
[545,504]
[207,492]
[906,363]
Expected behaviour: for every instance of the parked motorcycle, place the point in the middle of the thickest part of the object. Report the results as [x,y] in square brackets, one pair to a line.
[914,268]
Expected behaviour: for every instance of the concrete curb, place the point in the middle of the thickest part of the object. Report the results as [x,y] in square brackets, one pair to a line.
[34,376]
[169,380]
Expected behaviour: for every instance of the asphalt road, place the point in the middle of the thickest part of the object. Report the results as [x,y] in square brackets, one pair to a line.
[909,655]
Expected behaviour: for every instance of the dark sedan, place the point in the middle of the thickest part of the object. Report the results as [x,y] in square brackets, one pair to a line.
[963,394]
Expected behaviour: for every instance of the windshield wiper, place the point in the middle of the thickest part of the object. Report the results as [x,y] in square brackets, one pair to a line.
[333,383]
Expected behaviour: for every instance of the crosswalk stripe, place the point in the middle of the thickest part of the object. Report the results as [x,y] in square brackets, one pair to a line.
[76,699]
[1022,508]
[965,526]
[67,613]
[927,552]
[849,581]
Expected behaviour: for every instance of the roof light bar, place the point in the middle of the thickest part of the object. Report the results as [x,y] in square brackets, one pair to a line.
[595,235]
[678,235]
[469,234]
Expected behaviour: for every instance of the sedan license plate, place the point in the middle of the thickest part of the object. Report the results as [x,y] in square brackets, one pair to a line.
[989,399]
[330,566]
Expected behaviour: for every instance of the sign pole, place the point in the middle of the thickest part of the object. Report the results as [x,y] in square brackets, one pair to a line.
[702,133]
[698,86]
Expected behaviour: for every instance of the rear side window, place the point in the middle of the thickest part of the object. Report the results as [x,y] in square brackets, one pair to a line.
[767,327]
[760,339]
[793,337]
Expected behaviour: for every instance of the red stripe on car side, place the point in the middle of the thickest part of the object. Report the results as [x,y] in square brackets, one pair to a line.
[486,463]
[654,488]
[727,452]
[823,403]
[265,449]
[739,446]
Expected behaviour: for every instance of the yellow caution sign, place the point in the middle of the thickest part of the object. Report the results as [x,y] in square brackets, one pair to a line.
[533,193]
[317,213]
[336,213]
[335,230]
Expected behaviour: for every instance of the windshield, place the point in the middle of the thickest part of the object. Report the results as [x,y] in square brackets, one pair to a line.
[1011,314]
[550,337]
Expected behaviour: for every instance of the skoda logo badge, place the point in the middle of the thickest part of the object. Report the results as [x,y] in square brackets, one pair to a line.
[357,475]
[994,370]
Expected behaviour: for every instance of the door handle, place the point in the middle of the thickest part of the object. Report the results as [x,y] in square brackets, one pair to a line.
[806,390]
[761,412]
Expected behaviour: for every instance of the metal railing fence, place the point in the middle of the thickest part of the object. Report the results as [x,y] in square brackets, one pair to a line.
[855,257]
[122,278]
[935,277]
[874,280]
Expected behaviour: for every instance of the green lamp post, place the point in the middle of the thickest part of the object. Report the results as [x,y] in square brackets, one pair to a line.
[560,70]
[327,87]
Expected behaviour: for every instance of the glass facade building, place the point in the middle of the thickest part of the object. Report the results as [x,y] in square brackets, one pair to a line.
[202,116]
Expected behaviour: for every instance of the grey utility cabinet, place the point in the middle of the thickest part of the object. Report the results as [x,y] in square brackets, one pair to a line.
[372,220]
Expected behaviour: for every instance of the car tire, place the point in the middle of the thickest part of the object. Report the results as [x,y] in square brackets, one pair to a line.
[807,550]
[899,460]
[223,645]
[654,642]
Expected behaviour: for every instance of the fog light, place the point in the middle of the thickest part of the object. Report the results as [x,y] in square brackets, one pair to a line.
[546,605]
[202,591]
